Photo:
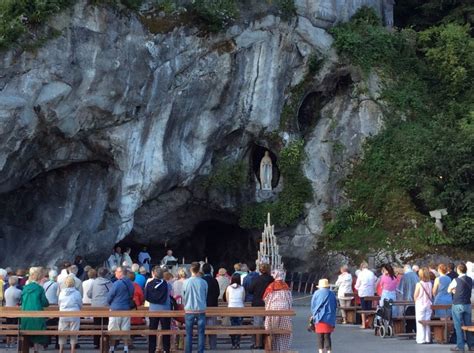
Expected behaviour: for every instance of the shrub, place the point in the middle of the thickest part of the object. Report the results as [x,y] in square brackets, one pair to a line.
[132,4]
[449,51]
[228,176]
[315,63]
[422,160]
[296,192]
[17,17]
[286,9]
[216,14]
[363,42]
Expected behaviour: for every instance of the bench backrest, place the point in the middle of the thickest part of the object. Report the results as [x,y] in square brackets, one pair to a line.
[143,312]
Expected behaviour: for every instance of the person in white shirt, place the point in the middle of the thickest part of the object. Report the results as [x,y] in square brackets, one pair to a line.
[168,258]
[72,273]
[365,285]
[235,297]
[69,300]
[12,299]
[344,284]
[126,259]
[86,285]
[144,259]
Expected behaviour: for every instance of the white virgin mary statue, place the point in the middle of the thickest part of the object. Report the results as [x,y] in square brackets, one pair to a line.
[266,172]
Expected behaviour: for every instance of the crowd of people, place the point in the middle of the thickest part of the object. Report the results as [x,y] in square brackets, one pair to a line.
[129,285]
[426,286]
[122,285]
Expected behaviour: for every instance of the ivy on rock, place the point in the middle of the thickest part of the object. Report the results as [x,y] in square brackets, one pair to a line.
[422,160]
[296,192]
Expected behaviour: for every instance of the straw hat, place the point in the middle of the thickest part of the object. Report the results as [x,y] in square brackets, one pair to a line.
[323,283]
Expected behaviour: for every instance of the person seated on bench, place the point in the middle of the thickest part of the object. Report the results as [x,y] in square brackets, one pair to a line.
[69,300]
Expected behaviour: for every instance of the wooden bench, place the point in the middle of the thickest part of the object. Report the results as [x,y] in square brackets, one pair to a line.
[439,328]
[350,313]
[399,324]
[367,317]
[100,330]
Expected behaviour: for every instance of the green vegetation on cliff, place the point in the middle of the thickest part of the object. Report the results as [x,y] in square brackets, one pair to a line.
[423,160]
[296,192]
[17,17]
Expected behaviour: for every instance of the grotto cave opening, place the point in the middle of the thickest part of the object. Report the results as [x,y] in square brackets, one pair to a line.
[224,244]
[310,111]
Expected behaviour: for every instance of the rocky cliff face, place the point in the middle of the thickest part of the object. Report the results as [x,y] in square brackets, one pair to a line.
[105,131]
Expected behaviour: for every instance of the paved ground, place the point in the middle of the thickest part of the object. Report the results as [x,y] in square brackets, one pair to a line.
[346,339]
[351,339]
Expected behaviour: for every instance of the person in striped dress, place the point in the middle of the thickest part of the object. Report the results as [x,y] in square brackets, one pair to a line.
[278,296]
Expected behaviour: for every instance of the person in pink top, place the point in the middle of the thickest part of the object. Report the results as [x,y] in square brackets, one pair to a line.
[423,301]
[388,285]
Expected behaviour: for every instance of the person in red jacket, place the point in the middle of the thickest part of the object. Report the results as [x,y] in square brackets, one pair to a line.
[138,298]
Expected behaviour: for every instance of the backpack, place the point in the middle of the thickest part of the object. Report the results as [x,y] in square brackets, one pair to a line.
[156,291]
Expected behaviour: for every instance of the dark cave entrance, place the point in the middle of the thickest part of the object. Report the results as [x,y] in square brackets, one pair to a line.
[223,244]
[310,111]
[257,154]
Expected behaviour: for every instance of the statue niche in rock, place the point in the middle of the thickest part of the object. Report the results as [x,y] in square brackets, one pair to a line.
[266,173]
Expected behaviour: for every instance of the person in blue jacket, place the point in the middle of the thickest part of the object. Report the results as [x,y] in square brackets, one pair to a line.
[323,312]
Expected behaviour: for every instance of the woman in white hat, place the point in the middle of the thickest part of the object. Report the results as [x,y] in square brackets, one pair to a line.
[323,311]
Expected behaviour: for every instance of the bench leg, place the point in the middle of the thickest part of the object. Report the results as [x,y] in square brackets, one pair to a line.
[398,327]
[363,321]
[438,334]
[104,344]
[350,317]
[23,344]
[267,343]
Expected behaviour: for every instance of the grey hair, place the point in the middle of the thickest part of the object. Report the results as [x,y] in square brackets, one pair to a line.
[13,281]
[102,272]
[53,274]
[407,268]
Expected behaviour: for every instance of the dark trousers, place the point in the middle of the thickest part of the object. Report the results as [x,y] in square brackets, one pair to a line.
[98,321]
[235,321]
[165,325]
[365,304]
[324,341]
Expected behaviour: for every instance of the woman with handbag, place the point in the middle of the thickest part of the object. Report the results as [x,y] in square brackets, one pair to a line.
[423,301]
[323,311]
